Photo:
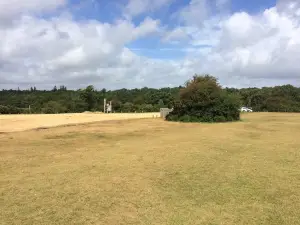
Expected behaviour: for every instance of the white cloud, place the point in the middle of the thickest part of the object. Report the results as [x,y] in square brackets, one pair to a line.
[147,26]
[195,12]
[254,49]
[222,3]
[241,49]
[62,50]
[178,34]
[137,7]
[198,11]
[11,8]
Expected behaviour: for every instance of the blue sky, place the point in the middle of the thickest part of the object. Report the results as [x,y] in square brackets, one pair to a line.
[109,11]
[153,47]
[253,6]
[154,43]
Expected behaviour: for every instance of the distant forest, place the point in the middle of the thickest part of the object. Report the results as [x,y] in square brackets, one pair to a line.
[284,98]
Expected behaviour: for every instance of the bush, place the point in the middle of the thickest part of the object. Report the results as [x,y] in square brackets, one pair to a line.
[203,100]
[4,109]
[53,107]
[10,110]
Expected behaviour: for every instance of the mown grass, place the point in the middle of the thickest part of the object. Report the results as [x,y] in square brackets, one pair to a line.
[154,172]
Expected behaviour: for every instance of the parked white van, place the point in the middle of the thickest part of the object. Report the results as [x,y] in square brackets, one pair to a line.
[246,109]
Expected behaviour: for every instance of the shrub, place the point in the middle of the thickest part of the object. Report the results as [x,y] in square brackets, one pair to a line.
[203,100]
[10,110]
[53,107]
[4,109]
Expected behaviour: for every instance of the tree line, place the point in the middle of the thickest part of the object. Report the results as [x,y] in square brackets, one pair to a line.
[285,98]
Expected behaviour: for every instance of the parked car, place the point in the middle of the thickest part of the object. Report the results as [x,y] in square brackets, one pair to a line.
[246,109]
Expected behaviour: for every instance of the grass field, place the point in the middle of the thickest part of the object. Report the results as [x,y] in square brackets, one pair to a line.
[12,123]
[153,172]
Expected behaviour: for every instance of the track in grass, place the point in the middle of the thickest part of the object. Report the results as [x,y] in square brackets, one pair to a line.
[11,123]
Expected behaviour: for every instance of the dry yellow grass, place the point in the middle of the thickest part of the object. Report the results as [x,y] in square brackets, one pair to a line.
[154,172]
[12,123]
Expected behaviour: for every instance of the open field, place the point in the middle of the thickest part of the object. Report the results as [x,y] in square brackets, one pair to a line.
[154,172]
[11,123]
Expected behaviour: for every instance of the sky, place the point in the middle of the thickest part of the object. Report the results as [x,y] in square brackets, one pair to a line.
[117,44]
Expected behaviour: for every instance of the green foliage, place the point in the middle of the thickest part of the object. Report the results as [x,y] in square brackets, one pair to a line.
[53,107]
[146,108]
[11,110]
[161,103]
[284,98]
[89,96]
[4,109]
[203,100]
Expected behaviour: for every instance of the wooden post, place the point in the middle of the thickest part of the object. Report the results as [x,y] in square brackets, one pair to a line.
[105,105]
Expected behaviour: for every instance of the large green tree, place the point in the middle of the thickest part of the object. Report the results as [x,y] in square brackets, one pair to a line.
[203,100]
[89,96]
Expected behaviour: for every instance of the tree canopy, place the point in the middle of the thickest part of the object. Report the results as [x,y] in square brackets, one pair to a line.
[88,95]
[204,100]
[284,98]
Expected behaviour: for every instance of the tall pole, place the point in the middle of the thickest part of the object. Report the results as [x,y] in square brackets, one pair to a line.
[105,105]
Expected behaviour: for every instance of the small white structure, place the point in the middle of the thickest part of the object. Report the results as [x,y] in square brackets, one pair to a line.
[246,109]
[107,106]
[164,112]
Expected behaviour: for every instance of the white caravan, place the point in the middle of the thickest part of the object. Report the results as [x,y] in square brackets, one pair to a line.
[246,109]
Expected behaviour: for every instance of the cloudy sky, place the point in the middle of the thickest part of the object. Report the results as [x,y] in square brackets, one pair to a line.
[135,43]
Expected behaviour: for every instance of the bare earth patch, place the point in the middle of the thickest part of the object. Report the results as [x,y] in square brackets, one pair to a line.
[154,172]
[11,123]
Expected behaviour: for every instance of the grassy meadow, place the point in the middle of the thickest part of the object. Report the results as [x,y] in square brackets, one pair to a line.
[22,122]
[148,171]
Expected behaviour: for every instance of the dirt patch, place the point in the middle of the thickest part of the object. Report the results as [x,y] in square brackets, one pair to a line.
[13,123]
